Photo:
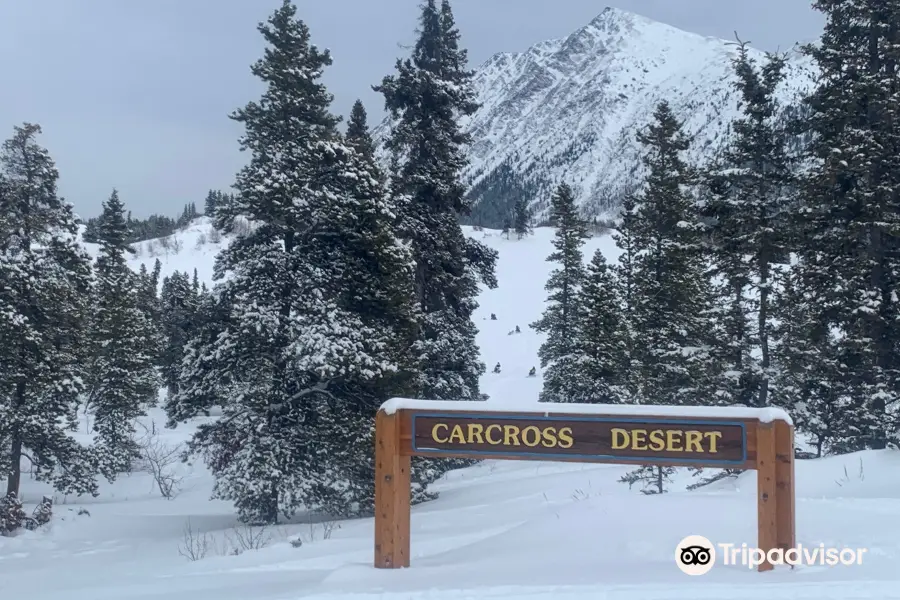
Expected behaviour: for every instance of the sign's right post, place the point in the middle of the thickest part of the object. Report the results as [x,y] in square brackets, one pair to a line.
[784,485]
[775,487]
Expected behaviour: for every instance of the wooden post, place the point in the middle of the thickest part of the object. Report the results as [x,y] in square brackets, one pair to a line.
[392,492]
[784,483]
[767,491]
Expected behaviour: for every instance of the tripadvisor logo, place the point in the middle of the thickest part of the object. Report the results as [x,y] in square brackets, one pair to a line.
[696,555]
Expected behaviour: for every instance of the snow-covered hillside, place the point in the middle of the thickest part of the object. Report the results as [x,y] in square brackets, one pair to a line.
[500,530]
[568,109]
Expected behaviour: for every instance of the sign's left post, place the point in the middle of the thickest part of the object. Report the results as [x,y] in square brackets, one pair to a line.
[392,494]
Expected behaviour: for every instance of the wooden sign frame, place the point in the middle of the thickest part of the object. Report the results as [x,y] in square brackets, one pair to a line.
[728,437]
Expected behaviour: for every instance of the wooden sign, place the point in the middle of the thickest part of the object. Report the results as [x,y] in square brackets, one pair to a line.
[714,443]
[730,437]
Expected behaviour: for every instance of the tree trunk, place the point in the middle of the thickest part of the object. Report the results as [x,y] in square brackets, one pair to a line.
[763,398]
[14,476]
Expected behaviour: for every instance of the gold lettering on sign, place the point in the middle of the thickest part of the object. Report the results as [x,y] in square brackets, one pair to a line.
[491,440]
[434,433]
[665,440]
[457,435]
[503,435]
[565,437]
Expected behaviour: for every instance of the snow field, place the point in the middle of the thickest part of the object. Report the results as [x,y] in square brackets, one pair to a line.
[499,531]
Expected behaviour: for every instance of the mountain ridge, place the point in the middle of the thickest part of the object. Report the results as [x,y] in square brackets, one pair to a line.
[567,110]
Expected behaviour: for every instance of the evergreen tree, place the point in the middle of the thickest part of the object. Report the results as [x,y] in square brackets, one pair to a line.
[122,378]
[672,299]
[850,216]
[522,218]
[671,289]
[286,339]
[600,348]
[807,364]
[426,98]
[213,199]
[44,281]
[178,306]
[749,197]
[625,285]
[382,297]
[560,320]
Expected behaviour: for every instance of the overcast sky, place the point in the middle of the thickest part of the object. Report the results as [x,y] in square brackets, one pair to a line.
[135,94]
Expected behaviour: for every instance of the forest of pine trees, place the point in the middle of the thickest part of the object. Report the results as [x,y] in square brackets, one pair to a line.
[744,281]
[748,281]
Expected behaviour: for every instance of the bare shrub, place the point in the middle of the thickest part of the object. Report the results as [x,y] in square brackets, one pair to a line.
[177,245]
[861,476]
[201,241]
[194,545]
[246,538]
[159,459]
[214,236]
[328,528]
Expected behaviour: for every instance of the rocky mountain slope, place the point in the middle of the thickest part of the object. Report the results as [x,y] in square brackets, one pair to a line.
[568,109]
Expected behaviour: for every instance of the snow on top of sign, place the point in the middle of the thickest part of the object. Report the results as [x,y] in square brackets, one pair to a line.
[764,415]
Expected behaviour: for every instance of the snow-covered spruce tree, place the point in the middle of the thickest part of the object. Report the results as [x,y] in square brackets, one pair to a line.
[600,349]
[522,218]
[850,211]
[426,98]
[748,197]
[807,367]
[178,306]
[45,279]
[560,320]
[148,296]
[624,281]
[380,267]
[303,340]
[672,297]
[121,379]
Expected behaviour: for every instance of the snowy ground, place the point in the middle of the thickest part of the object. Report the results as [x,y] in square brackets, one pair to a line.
[500,530]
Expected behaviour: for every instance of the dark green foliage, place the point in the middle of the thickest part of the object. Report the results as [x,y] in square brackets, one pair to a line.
[121,379]
[312,328]
[493,198]
[850,219]
[178,305]
[522,218]
[560,320]
[600,348]
[625,291]
[214,199]
[154,226]
[670,288]
[748,195]
[666,289]
[12,515]
[426,98]
[44,283]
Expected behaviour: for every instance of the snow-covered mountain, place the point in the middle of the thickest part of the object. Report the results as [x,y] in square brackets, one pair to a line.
[568,109]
